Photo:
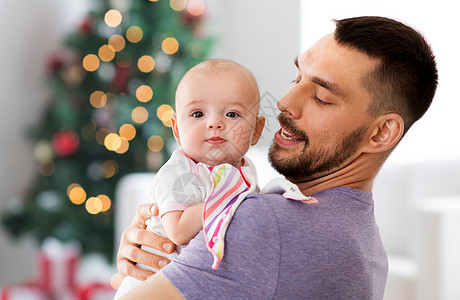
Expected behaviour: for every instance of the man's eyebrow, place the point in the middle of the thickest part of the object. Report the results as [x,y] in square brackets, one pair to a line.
[330,86]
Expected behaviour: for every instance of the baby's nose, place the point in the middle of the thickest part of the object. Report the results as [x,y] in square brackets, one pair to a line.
[215,124]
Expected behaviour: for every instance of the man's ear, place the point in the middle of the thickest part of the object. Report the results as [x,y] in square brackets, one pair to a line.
[386,133]
[260,123]
[175,128]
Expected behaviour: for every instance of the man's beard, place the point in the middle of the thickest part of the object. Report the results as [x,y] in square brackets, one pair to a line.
[312,163]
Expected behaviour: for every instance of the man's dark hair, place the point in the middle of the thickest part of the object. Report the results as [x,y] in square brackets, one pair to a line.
[405,81]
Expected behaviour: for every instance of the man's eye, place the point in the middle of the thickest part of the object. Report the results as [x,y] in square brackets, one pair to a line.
[295,81]
[232,114]
[321,102]
[197,114]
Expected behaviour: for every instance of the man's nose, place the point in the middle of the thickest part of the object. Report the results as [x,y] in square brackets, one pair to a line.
[290,104]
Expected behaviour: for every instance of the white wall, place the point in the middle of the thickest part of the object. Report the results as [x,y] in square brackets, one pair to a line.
[30,31]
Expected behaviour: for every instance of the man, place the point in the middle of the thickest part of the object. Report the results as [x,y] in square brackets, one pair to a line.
[356,93]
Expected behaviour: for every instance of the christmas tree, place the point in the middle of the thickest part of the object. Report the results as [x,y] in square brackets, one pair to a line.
[111,89]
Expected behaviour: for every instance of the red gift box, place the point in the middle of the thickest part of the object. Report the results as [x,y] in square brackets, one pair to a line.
[57,264]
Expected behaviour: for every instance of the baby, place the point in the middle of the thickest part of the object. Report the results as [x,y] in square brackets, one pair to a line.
[202,184]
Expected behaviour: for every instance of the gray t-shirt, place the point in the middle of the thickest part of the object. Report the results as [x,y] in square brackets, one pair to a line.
[283,249]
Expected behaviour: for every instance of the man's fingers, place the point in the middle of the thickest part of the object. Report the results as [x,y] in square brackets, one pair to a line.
[115,280]
[143,237]
[127,267]
[137,255]
[144,212]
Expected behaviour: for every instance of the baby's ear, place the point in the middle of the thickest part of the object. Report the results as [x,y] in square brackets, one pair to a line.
[260,123]
[175,128]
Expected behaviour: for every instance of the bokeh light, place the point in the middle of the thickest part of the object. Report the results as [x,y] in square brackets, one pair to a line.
[155,143]
[93,205]
[162,109]
[124,147]
[134,34]
[117,42]
[196,7]
[178,5]
[46,167]
[113,18]
[146,63]
[144,93]
[112,141]
[76,193]
[90,62]
[106,202]
[101,134]
[139,114]
[109,168]
[106,53]
[127,131]
[170,45]
[98,99]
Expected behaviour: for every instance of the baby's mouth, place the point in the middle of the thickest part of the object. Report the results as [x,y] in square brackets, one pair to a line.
[216,140]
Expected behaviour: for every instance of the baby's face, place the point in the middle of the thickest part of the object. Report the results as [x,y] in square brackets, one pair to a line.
[216,117]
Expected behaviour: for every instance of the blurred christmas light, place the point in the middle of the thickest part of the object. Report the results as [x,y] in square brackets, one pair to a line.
[127,131]
[77,194]
[98,99]
[123,147]
[70,187]
[113,18]
[43,151]
[167,123]
[112,141]
[178,5]
[109,168]
[73,74]
[170,45]
[117,42]
[101,134]
[153,0]
[155,143]
[46,167]
[196,7]
[90,62]
[106,53]
[144,93]
[106,202]
[93,205]
[139,114]
[134,34]
[146,64]
[162,109]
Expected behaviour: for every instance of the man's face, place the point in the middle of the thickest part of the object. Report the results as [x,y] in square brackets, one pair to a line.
[324,118]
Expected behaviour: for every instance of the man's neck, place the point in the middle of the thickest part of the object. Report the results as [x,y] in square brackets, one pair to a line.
[359,174]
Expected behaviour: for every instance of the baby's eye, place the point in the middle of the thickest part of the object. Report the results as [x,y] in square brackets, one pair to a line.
[197,114]
[232,114]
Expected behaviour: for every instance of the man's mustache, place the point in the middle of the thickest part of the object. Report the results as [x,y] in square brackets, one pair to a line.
[289,125]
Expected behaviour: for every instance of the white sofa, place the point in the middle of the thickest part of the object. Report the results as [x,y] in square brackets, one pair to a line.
[417,209]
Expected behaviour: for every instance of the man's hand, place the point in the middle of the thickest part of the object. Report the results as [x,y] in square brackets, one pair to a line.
[130,253]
